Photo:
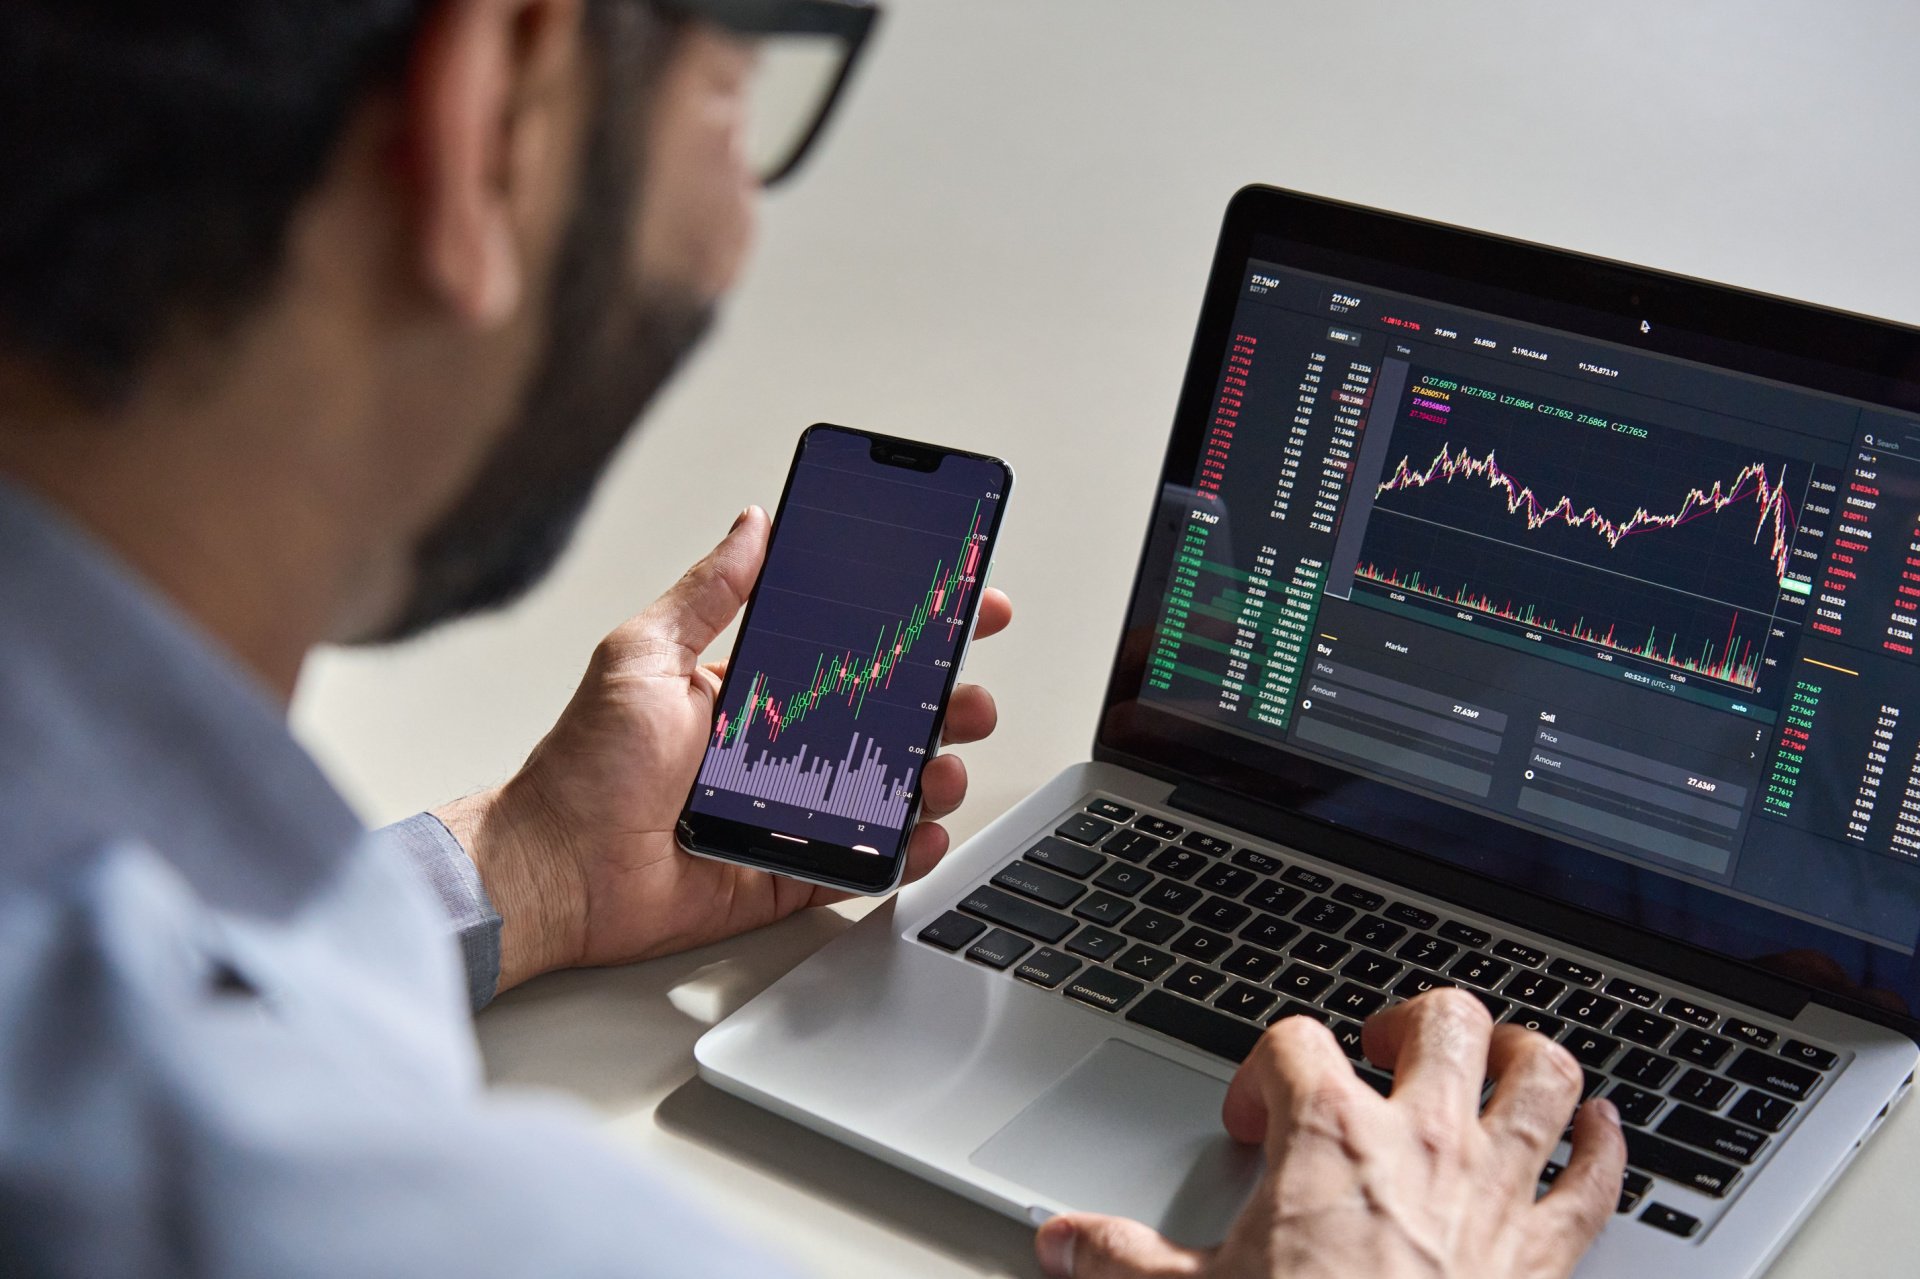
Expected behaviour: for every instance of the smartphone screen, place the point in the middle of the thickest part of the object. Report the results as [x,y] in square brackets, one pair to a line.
[833,699]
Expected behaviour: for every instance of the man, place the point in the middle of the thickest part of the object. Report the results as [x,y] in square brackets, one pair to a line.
[317,322]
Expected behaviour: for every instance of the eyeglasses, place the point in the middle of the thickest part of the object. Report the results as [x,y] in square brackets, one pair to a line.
[807,50]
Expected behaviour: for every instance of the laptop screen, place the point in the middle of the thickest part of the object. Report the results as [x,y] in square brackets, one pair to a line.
[1538,565]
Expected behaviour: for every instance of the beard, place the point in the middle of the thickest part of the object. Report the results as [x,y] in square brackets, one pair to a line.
[610,348]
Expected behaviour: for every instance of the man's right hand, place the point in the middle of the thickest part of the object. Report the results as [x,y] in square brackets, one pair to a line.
[1423,1183]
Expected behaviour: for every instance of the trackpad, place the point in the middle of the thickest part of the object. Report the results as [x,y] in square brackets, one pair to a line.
[1130,1133]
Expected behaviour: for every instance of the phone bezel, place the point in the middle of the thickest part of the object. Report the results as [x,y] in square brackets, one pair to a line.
[835,865]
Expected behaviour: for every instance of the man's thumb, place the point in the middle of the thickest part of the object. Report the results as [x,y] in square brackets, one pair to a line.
[1086,1246]
[698,606]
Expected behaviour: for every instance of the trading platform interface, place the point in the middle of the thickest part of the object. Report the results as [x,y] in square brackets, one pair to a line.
[1651,608]
[831,702]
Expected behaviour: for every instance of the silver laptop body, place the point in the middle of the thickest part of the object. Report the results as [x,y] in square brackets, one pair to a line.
[1329,776]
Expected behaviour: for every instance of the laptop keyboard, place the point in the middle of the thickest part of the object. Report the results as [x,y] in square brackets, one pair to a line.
[1189,934]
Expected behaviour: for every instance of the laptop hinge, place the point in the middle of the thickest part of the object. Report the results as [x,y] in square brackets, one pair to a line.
[1723,977]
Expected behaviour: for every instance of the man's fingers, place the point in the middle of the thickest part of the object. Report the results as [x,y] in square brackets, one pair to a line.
[1585,1195]
[1086,1246]
[925,847]
[1295,1075]
[677,627]
[971,715]
[1436,1047]
[1537,1084]
[943,785]
[996,610]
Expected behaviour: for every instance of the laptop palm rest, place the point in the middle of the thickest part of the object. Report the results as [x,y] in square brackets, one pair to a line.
[1130,1133]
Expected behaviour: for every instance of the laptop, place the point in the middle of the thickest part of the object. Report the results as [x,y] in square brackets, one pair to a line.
[1507,619]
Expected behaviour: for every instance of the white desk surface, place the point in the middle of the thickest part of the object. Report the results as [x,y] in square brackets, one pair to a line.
[1002,245]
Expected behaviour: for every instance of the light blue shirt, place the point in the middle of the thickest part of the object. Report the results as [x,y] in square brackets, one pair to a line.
[235,1036]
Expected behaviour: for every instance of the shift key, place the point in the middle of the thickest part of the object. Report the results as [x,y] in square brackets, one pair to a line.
[1689,1168]
[1009,911]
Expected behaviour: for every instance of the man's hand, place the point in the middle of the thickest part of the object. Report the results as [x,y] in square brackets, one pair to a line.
[1424,1183]
[577,850]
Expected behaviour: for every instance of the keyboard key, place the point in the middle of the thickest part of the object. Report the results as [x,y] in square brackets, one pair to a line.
[1294,1008]
[1684,1011]
[1523,955]
[1211,845]
[952,931]
[1275,898]
[1327,916]
[1375,932]
[1528,1019]
[1320,950]
[1756,1109]
[1302,983]
[1269,931]
[1042,885]
[1012,912]
[1370,969]
[1219,913]
[1131,846]
[1311,880]
[1066,857]
[1177,863]
[1417,983]
[1244,1000]
[1227,881]
[1203,1028]
[1203,944]
[1677,1163]
[1496,1007]
[1348,1034]
[1047,967]
[1257,861]
[1636,1105]
[1153,926]
[1808,1055]
[1700,1048]
[1356,1001]
[1194,981]
[1590,1047]
[1620,988]
[1096,943]
[999,948]
[1671,1220]
[1588,1009]
[1158,827]
[1411,916]
[1534,989]
[1638,1182]
[1104,908]
[1084,829]
[1426,951]
[1775,1075]
[1712,1134]
[1144,962]
[1251,963]
[1748,1033]
[1363,898]
[1480,970]
[1171,896]
[1648,1070]
[1465,934]
[1577,974]
[1102,989]
[1592,1081]
[1698,1088]
[1645,1029]
[1111,811]
[1123,879]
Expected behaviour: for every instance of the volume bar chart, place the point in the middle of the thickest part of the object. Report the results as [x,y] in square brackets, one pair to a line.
[857,788]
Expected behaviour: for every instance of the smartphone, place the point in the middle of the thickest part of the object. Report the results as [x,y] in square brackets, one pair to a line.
[853,638]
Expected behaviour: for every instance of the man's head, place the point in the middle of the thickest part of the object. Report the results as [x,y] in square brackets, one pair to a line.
[363,292]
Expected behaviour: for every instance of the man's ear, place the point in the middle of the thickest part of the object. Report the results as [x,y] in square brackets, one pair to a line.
[494,108]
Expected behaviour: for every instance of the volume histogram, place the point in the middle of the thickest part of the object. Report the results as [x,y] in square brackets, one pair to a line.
[829,707]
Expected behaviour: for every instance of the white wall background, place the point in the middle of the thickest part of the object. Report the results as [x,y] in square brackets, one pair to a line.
[1003,244]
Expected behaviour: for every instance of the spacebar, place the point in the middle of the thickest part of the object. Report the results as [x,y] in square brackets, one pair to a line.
[1213,1032]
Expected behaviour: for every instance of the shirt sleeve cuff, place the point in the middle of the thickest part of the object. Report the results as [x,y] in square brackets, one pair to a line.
[449,871]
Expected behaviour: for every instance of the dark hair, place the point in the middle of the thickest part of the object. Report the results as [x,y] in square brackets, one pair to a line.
[152,155]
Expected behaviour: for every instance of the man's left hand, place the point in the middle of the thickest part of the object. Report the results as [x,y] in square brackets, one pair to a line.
[577,850]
